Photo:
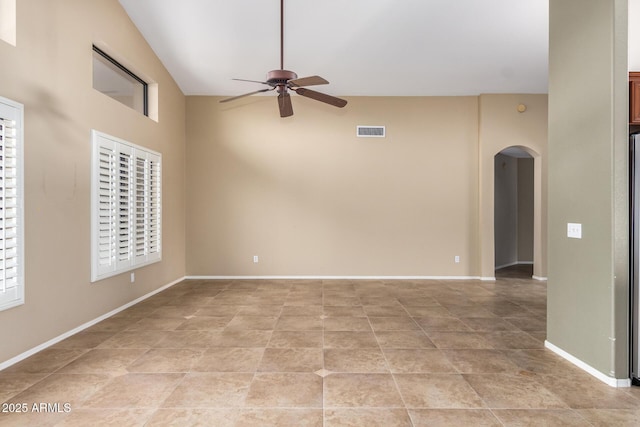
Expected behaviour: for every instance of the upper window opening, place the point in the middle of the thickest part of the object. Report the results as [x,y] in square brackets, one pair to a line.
[118,82]
[8,21]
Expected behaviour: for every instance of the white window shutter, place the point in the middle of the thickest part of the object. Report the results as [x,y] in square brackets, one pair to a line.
[155,205]
[127,202]
[11,213]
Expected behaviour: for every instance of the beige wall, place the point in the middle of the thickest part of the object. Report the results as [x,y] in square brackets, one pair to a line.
[588,292]
[309,198]
[502,126]
[50,72]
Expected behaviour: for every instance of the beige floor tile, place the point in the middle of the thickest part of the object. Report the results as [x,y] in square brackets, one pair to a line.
[185,339]
[261,310]
[65,388]
[528,323]
[210,390]
[441,324]
[393,324]
[385,310]
[405,361]
[106,417]
[113,324]
[541,417]
[453,417]
[134,339]
[299,323]
[107,361]
[291,360]
[505,391]
[459,340]
[287,390]
[219,310]
[134,391]
[428,311]
[403,339]
[84,340]
[351,361]
[174,311]
[341,301]
[611,417]
[302,310]
[471,311]
[480,361]
[12,384]
[512,340]
[156,324]
[367,417]
[240,338]
[346,324]
[418,302]
[269,417]
[166,360]
[343,311]
[444,391]
[366,360]
[488,324]
[293,339]
[588,393]
[262,323]
[46,361]
[229,359]
[204,323]
[194,417]
[350,339]
[361,390]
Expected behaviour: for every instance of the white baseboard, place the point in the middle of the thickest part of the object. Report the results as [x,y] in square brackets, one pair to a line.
[333,277]
[82,327]
[488,279]
[542,279]
[613,382]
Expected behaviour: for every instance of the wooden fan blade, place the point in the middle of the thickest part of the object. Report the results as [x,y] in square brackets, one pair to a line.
[308,81]
[252,81]
[246,94]
[284,103]
[322,97]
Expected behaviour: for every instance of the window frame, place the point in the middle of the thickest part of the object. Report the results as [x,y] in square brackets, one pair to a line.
[14,111]
[119,66]
[126,206]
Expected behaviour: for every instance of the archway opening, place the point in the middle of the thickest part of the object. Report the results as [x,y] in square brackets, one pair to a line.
[514,213]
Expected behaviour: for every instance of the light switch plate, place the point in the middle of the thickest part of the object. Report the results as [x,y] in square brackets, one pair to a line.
[574,231]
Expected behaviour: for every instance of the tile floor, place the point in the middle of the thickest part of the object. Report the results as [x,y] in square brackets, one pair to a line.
[318,353]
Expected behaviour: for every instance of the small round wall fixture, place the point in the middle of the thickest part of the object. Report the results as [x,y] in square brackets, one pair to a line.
[522,108]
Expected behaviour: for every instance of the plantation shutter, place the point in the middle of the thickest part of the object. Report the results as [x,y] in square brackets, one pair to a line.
[11,229]
[106,216]
[127,202]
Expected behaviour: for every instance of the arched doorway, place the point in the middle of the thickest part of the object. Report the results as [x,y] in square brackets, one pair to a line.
[513,212]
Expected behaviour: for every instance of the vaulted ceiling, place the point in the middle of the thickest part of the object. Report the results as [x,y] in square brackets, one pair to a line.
[363,47]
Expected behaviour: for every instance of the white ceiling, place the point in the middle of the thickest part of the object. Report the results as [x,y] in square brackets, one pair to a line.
[363,47]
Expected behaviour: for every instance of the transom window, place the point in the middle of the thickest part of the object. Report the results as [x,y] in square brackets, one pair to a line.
[118,82]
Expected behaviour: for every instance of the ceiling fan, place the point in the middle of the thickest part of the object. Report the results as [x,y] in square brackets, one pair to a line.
[284,81]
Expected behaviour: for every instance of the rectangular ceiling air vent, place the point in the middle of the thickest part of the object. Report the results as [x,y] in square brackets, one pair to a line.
[370,131]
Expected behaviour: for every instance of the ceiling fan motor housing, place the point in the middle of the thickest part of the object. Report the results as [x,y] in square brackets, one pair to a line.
[279,78]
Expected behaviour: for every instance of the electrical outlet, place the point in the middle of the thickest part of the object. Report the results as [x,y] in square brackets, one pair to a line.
[133,277]
[456,259]
[255,259]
